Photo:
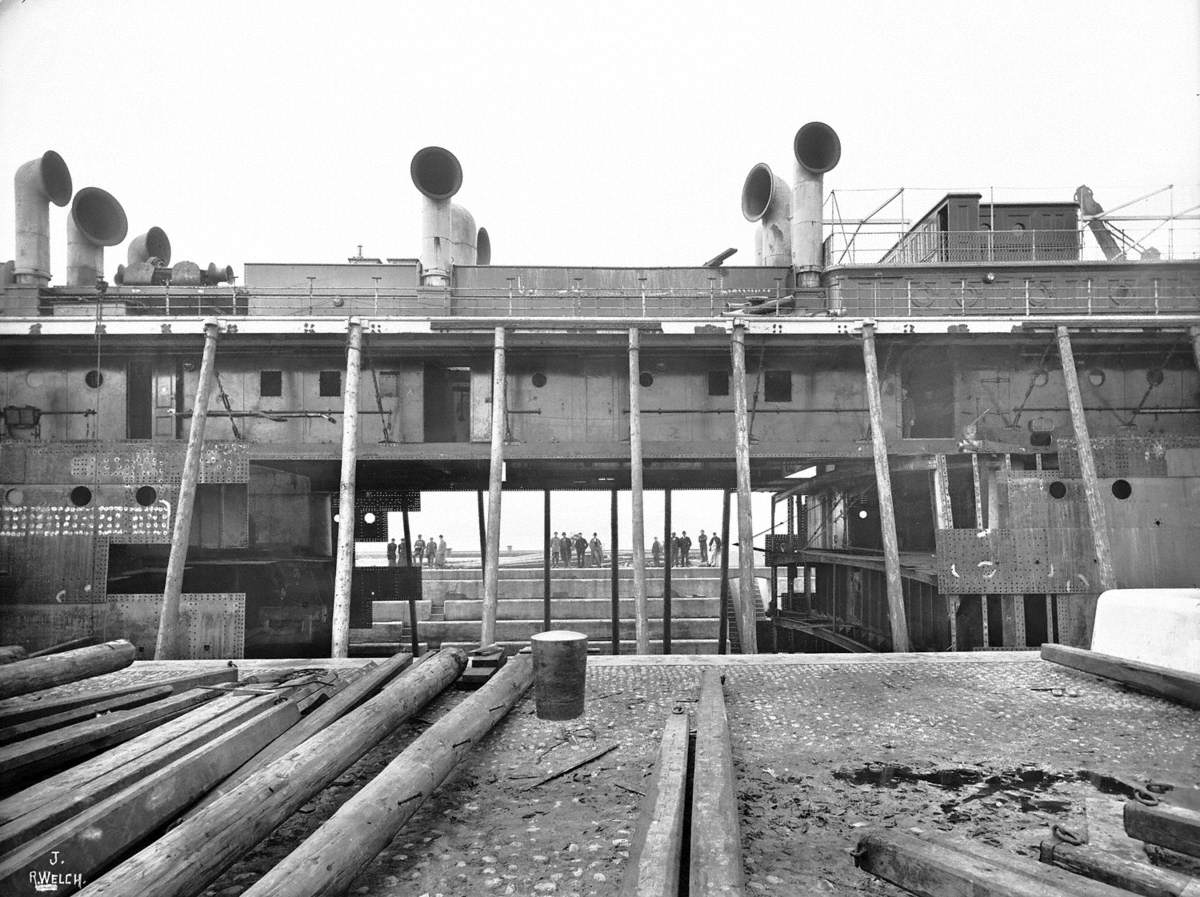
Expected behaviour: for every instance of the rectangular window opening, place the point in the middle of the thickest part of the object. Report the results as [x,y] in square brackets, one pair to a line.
[777,386]
[270,383]
[718,383]
[331,383]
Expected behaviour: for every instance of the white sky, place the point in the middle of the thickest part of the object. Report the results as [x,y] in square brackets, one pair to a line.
[590,133]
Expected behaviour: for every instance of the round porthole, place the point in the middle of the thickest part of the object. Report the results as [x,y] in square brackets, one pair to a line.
[1058,489]
[337,518]
[15,497]
[647,379]
[93,379]
[1154,376]
[539,379]
[863,515]
[146,496]
[81,496]
[1121,489]
[368,518]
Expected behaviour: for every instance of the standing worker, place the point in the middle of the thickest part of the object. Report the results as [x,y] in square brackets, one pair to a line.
[564,549]
[714,549]
[441,551]
[656,552]
[597,550]
[554,556]
[391,553]
[430,551]
[685,549]
[419,550]
[702,544]
[580,549]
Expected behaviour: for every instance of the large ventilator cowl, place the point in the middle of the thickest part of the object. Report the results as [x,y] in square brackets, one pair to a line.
[768,200]
[96,220]
[448,233]
[36,184]
[150,246]
[817,149]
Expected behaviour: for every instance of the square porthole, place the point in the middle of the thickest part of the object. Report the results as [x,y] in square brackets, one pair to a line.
[777,386]
[331,383]
[270,383]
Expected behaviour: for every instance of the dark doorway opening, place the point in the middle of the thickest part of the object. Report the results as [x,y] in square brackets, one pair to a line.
[139,400]
[447,403]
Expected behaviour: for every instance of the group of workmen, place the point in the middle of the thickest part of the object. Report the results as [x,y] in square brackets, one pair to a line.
[425,554]
[587,553]
[681,550]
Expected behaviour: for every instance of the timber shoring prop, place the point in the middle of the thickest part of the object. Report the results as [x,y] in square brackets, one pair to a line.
[1162,682]
[80,776]
[36,673]
[657,851]
[29,728]
[942,867]
[328,713]
[716,840]
[1176,828]
[327,861]
[46,804]
[20,709]
[187,858]
[92,841]
[1101,865]
[35,757]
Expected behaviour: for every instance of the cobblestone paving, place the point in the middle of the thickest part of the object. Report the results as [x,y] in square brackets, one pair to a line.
[995,751]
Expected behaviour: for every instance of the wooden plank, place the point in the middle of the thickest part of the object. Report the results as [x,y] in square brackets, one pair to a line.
[657,851]
[192,854]
[18,710]
[80,776]
[34,757]
[367,822]
[46,814]
[328,713]
[716,840]
[37,673]
[90,842]
[1174,685]
[1097,863]
[42,724]
[85,642]
[943,868]
[1176,828]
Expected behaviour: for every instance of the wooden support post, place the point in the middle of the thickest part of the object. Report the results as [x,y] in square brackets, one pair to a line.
[944,517]
[942,867]
[723,623]
[1175,828]
[616,574]
[1102,865]
[657,851]
[192,854]
[716,840]
[491,574]
[641,623]
[747,612]
[412,599]
[87,842]
[36,673]
[482,519]
[668,560]
[977,480]
[344,570]
[883,483]
[1087,466]
[364,825]
[1163,682]
[546,549]
[167,645]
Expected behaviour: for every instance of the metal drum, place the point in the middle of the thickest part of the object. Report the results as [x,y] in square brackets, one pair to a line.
[559,671]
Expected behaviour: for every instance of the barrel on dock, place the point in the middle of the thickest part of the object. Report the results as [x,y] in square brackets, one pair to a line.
[559,671]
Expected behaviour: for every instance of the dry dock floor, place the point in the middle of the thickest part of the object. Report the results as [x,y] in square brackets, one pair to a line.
[986,745]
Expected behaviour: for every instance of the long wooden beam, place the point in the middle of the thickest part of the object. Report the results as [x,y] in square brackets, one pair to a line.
[716,840]
[367,822]
[883,483]
[167,645]
[36,673]
[641,625]
[1102,865]
[491,572]
[747,606]
[1163,682]
[347,513]
[32,727]
[657,850]
[1097,515]
[189,856]
[1173,827]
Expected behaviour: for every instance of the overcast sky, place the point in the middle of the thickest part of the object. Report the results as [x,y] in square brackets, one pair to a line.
[611,133]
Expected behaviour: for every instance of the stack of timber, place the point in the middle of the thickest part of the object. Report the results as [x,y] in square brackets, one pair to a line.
[185,774]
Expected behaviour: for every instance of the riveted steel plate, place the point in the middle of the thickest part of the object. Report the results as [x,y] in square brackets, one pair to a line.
[215,623]
[131,462]
[1124,456]
[991,561]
